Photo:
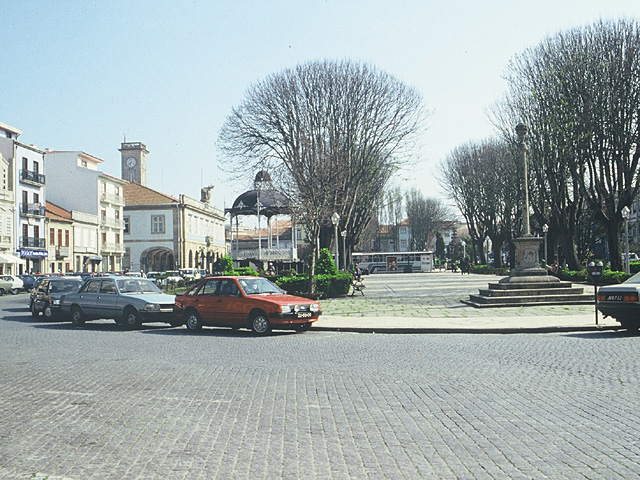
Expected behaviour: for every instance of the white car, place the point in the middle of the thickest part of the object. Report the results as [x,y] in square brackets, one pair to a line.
[172,276]
[9,283]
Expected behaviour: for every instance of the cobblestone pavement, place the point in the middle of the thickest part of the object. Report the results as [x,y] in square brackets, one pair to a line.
[434,295]
[163,403]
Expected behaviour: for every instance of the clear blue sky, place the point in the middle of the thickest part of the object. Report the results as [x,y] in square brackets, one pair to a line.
[80,75]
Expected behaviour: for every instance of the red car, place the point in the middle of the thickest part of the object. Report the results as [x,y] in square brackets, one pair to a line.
[244,302]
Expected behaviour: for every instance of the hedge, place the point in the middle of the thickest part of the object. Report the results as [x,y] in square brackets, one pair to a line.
[326,285]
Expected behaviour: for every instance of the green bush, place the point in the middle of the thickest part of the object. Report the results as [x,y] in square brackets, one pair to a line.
[489,270]
[327,285]
[246,271]
[224,264]
[325,264]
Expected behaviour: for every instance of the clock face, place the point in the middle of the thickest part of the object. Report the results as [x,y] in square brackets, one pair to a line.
[131,162]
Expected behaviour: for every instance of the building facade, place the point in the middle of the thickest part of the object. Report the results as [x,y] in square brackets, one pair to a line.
[24,184]
[166,233]
[96,194]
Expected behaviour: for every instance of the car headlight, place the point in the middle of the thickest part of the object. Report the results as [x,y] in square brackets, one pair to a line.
[314,307]
[285,308]
[55,301]
[152,307]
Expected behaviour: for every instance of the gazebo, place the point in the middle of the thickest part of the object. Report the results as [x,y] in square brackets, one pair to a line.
[263,201]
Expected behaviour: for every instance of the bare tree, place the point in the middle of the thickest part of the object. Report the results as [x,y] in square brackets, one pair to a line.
[333,133]
[580,90]
[427,217]
[482,180]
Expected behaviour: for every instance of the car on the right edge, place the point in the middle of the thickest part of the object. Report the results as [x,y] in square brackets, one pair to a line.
[622,302]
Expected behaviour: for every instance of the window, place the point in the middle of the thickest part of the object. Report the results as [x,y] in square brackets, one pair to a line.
[36,167]
[52,236]
[126,225]
[66,238]
[157,224]
[59,237]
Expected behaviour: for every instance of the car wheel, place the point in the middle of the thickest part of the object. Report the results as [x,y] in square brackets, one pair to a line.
[77,317]
[34,311]
[14,291]
[305,327]
[47,312]
[132,318]
[260,324]
[1,291]
[193,321]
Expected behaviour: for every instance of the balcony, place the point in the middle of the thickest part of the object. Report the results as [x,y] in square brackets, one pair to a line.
[31,242]
[62,252]
[112,247]
[31,210]
[31,177]
[111,222]
[112,198]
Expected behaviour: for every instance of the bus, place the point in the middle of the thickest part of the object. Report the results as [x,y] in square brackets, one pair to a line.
[394,262]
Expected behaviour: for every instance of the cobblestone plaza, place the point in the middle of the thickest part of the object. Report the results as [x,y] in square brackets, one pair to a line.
[102,403]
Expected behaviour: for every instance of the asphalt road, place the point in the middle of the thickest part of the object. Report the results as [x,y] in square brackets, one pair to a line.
[163,403]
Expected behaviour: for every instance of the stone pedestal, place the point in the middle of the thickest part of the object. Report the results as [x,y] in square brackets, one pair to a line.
[528,283]
[528,269]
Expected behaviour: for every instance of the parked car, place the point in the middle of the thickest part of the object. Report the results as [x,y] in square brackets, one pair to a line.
[32,293]
[11,284]
[244,302]
[129,301]
[172,276]
[622,302]
[153,276]
[46,298]
[28,281]
[190,273]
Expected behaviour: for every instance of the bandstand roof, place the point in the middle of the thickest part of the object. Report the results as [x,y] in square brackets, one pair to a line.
[272,202]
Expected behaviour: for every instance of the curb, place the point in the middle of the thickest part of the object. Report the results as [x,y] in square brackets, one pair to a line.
[497,331]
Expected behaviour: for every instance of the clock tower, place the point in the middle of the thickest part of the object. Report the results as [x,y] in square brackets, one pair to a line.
[134,162]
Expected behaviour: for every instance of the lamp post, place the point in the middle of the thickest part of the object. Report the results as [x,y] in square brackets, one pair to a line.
[335,219]
[595,272]
[625,215]
[344,250]
[464,248]
[545,229]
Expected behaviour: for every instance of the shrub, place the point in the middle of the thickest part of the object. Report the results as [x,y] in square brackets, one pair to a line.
[325,264]
[224,264]
[247,271]
[327,285]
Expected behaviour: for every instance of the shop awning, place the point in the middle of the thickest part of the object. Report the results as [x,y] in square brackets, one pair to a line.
[9,258]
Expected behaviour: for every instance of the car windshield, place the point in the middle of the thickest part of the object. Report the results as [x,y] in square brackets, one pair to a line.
[133,285]
[65,287]
[258,286]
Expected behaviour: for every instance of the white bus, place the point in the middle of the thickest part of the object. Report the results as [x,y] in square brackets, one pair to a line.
[394,262]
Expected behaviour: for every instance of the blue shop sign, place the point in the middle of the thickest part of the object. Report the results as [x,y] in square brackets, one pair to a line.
[33,253]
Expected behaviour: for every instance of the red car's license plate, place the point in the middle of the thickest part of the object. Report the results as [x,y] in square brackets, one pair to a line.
[304,315]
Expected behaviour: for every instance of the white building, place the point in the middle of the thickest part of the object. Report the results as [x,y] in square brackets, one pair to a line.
[76,184]
[22,209]
[166,233]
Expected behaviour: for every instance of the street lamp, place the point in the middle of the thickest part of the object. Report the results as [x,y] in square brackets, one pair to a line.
[335,219]
[625,215]
[595,272]
[344,250]
[464,248]
[545,229]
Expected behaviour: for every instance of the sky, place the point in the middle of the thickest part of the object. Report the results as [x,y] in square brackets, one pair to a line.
[88,75]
